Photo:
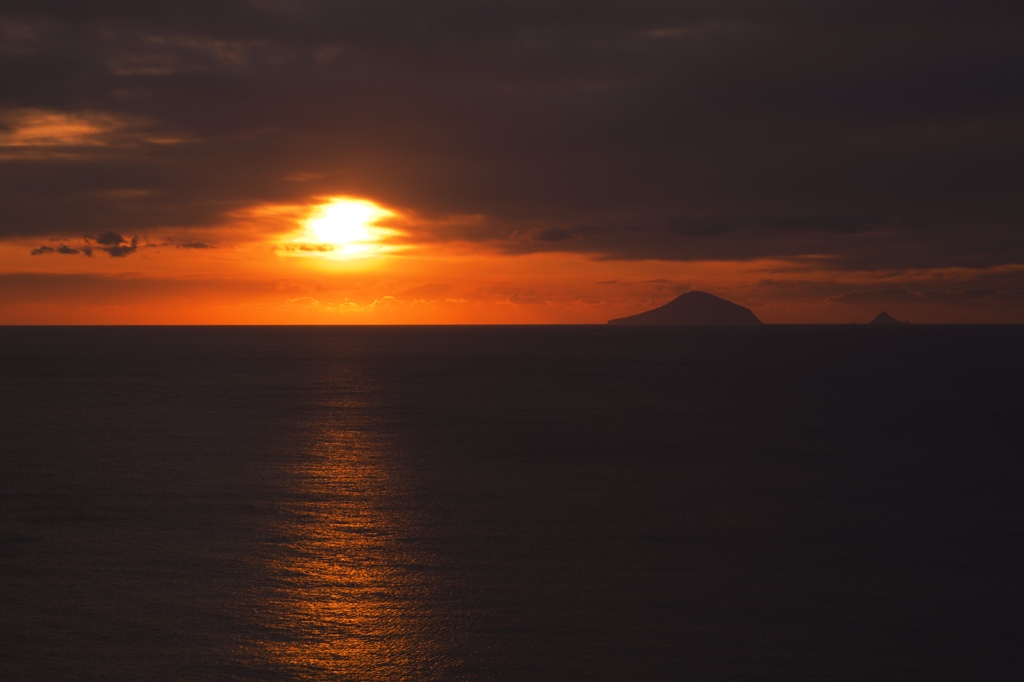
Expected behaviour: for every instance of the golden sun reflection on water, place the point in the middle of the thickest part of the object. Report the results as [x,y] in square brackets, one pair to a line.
[350,595]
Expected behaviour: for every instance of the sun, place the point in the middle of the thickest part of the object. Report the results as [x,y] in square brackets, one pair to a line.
[348,226]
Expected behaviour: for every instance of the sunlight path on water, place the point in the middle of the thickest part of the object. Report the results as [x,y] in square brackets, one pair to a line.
[350,593]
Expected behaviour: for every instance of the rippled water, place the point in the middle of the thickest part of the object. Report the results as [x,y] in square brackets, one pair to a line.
[546,503]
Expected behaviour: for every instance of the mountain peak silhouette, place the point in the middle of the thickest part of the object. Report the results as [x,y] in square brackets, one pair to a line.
[885,318]
[693,308]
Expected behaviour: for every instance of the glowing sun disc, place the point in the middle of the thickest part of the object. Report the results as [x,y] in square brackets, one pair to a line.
[347,224]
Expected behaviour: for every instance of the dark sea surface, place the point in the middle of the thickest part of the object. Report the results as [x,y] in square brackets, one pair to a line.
[512,503]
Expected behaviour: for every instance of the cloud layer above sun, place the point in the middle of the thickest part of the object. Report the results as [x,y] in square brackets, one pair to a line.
[802,156]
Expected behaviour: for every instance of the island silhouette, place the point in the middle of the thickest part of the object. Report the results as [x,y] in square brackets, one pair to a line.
[693,308]
[885,318]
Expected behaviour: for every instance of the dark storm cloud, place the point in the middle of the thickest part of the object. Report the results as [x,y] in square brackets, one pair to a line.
[716,226]
[110,238]
[110,242]
[116,245]
[558,233]
[121,250]
[62,249]
[885,134]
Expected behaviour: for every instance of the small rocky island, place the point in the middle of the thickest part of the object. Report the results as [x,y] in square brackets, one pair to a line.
[693,308]
[886,318]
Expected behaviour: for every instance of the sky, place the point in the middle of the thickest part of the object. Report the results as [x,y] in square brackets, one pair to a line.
[495,161]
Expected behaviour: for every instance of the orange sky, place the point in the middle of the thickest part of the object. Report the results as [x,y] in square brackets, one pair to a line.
[173,163]
[266,266]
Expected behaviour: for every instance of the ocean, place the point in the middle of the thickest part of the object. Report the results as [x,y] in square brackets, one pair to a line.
[512,503]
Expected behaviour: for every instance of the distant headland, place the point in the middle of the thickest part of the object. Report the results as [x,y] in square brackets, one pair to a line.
[885,318]
[693,308]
